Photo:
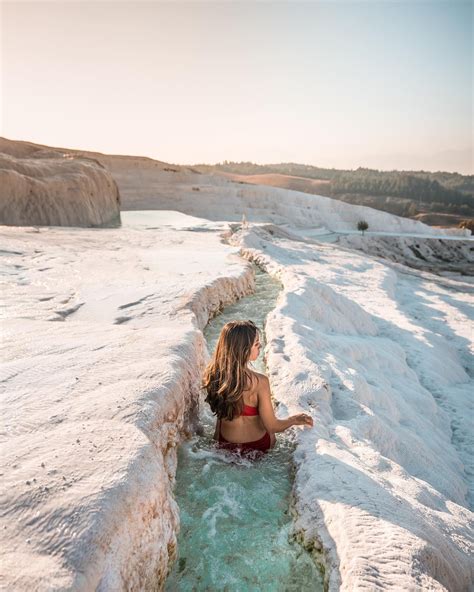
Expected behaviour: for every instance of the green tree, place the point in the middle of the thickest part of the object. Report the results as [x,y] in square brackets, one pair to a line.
[362,226]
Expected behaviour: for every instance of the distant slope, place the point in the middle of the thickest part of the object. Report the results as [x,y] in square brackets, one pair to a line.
[315,186]
[403,193]
[145,183]
[42,186]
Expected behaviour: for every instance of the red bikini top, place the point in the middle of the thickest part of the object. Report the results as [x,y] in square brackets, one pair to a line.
[249,410]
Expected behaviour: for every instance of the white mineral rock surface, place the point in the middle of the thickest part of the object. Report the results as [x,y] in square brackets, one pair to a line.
[101,363]
[51,189]
[147,184]
[421,252]
[381,356]
[102,352]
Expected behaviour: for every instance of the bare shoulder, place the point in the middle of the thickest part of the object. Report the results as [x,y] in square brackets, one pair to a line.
[262,381]
[264,394]
[257,375]
[258,379]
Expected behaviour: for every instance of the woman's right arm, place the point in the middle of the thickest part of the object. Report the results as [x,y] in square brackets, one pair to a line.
[265,408]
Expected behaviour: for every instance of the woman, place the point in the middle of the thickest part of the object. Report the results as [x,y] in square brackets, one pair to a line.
[239,396]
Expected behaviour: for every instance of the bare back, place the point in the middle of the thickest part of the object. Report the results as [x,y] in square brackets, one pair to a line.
[245,428]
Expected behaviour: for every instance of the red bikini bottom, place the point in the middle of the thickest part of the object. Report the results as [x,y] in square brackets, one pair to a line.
[263,444]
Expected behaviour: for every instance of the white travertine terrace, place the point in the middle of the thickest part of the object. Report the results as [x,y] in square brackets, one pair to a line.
[148,184]
[57,190]
[379,354]
[102,353]
[101,363]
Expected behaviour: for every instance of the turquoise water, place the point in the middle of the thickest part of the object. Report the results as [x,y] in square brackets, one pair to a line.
[235,532]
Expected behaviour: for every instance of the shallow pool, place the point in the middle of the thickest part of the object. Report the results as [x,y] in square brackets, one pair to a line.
[235,532]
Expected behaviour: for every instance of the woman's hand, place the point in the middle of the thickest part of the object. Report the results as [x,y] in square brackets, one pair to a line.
[302,419]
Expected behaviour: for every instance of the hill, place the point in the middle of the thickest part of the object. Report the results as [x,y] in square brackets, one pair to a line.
[403,193]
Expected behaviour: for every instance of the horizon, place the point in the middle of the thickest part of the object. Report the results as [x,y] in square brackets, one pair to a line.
[336,85]
[190,164]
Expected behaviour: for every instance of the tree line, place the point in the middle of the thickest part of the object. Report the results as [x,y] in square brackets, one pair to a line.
[452,191]
[399,184]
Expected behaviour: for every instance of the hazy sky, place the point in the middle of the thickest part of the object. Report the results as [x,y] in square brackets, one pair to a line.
[380,83]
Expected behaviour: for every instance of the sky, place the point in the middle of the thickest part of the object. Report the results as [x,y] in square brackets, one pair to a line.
[383,84]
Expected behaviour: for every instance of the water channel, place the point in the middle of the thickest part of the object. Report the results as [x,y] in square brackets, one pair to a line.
[235,533]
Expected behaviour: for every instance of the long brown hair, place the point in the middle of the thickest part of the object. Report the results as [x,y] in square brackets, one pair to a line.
[226,376]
